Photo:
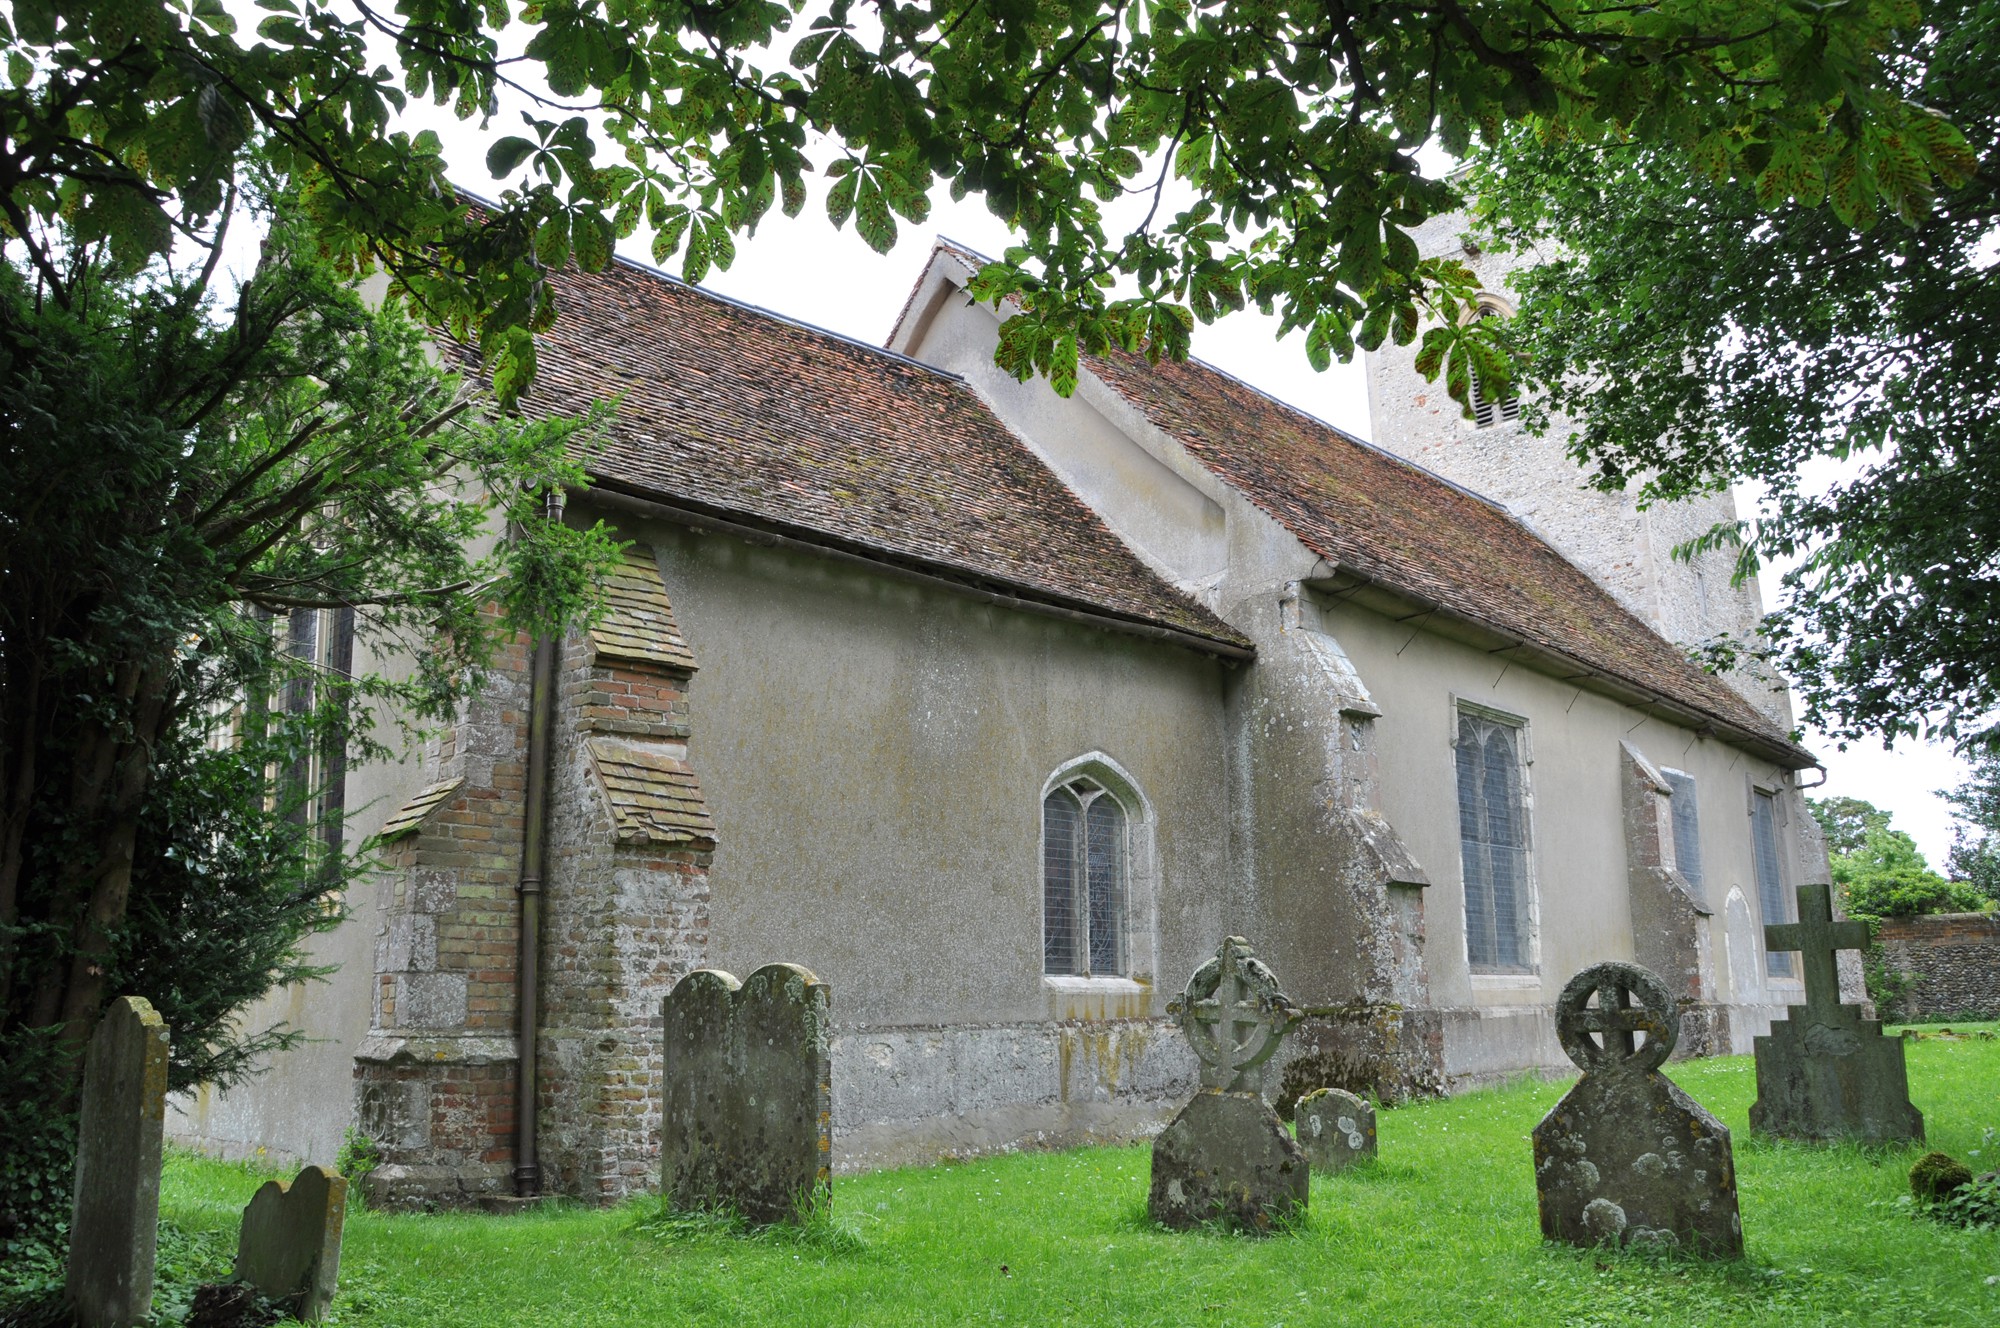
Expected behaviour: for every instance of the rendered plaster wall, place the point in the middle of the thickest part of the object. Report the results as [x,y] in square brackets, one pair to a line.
[1338,907]
[1578,846]
[1627,550]
[875,754]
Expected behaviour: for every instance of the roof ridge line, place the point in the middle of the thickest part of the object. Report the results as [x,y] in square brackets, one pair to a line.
[651,270]
[944,240]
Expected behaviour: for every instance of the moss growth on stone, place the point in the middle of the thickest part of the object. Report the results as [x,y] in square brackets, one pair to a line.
[1935,1177]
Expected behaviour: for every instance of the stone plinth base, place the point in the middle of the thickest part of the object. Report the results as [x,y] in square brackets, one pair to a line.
[1830,1074]
[1228,1158]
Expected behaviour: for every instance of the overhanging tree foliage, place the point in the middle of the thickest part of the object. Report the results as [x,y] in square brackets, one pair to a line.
[1701,331]
[1293,123]
[185,471]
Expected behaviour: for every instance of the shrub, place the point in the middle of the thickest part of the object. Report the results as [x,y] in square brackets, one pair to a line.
[359,1154]
[1936,1176]
[1973,1204]
[1887,877]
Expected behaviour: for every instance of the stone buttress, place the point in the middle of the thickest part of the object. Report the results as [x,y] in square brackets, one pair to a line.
[434,1078]
[625,914]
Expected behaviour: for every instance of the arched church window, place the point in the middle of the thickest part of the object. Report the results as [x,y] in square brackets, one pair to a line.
[1486,412]
[1772,897]
[1085,863]
[1493,843]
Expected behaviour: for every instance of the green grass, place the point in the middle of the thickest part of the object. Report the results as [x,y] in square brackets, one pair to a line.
[1441,1231]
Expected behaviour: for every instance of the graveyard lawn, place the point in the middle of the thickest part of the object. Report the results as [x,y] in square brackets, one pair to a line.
[1441,1230]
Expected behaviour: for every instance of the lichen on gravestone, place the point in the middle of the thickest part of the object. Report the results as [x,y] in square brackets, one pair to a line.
[1336,1129]
[1827,1072]
[114,1220]
[1626,1157]
[747,1115]
[1227,1157]
[289,1247]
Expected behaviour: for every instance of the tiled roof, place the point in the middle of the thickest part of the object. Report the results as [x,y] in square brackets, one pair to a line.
[638,623]
[1383,519]
[412,814]
[654,797]
[740,412]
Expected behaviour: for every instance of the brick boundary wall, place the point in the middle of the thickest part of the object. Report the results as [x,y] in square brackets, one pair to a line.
[1952,961]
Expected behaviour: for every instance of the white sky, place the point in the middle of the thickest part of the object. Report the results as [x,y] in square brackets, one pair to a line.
[804,269]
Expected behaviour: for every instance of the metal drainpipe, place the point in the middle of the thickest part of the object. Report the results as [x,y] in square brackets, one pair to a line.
[534,850]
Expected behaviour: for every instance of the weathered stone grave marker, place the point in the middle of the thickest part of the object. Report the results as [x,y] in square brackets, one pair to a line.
[1826,1072]
[1336,1128]
[115,1218]
[289,1248]
[1626,1156]
[1227,1156]
[747,1120]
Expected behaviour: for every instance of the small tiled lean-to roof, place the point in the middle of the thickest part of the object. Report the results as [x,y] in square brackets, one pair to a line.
[735,412]
[654,797]
[1381,519]
[412,814]
[638,623]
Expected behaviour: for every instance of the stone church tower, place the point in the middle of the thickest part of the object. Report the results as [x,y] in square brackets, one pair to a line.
[1627,550]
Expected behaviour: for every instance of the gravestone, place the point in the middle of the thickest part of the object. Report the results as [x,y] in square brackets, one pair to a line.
[1227,1157]
[1336,1128]
[290,1245]
[114,1222]
[1826,1072]
[748,1111]
[1626,1156]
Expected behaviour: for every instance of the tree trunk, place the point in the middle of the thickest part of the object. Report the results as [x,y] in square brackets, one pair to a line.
[111,876]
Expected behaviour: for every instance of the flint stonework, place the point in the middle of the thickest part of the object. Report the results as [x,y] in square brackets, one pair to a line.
[289,1248]
[1227,1157]
[1827,1072]
[1626,1156]
[747,1120]
[1336,1128]
[114,1222]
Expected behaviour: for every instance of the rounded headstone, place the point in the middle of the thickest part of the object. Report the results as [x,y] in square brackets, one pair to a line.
[1336,1128]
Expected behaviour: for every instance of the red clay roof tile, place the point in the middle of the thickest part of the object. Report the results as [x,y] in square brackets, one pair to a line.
[1378,516]
[741,411]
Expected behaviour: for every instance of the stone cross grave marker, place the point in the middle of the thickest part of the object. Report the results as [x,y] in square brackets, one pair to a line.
[1626,1156]
[1336,1128]
[1826,1072]
[115,1218]
[747,1121]
[1227,1157]
[289,1248]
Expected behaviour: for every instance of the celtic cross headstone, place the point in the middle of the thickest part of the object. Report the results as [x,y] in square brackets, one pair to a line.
[1227,1157]
[1626,1156]
[1827,1072]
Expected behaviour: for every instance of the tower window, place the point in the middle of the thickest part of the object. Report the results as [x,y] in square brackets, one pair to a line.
[1486,412]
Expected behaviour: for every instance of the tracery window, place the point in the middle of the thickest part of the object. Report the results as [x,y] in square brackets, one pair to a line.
[1687,829]
[1493,844]
[1086,856]
[1772,897]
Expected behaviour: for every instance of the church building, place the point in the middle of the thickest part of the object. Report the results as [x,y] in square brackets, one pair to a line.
[998,710]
